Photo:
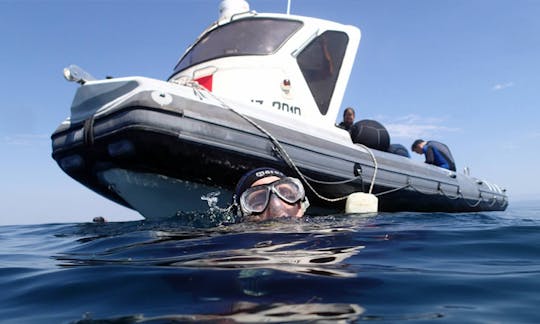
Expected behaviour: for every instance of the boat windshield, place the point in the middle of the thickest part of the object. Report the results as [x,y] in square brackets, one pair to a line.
[253,36]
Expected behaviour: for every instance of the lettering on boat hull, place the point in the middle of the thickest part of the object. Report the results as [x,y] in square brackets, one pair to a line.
[282,106]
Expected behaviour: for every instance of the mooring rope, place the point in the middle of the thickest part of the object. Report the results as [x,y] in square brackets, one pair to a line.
[283,153]
[200,91]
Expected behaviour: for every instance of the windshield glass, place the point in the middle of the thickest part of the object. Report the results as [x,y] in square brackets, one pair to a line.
[254,36]
[320,63]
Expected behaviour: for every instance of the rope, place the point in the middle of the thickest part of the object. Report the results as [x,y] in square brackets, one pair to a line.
[199,91]
[279,148]
[459,195]
[392,190]
[480,199]
[333,182]
[417,190]
[375,166]
[494,201]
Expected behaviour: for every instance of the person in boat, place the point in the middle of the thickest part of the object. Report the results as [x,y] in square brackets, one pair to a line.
[266,193]
[348,119]
[436,153]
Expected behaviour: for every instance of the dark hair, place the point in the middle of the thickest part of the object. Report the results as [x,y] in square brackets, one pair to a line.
[416,143]
[347,109]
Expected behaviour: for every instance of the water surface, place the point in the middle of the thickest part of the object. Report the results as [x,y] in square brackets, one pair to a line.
[389,267]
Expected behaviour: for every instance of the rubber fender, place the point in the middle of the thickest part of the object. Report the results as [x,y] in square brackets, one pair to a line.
[399,149]
[371,133]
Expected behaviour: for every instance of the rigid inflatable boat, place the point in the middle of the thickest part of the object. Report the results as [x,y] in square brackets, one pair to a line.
[253,90]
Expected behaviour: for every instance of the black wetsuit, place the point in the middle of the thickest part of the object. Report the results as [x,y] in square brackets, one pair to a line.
[345,127]
[439,154]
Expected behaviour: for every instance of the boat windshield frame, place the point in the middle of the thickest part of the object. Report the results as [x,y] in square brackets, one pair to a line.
[236,39]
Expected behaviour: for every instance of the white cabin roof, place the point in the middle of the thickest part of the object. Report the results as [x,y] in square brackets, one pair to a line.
[291,65]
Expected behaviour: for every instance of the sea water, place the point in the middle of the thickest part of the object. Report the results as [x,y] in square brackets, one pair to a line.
[388,267]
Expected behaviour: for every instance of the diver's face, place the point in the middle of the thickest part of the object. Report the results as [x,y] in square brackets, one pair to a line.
[276,207]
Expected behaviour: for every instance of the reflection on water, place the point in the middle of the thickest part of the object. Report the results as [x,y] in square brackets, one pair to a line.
[289,246]
[414,267]
[325,261]
[249,258]
[245,312]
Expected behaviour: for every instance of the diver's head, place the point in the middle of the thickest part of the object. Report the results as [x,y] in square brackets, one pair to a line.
[266,193]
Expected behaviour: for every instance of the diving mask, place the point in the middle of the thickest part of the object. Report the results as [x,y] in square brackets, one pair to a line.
[254,200]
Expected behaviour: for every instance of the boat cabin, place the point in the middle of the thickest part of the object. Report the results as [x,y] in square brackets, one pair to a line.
[294,66]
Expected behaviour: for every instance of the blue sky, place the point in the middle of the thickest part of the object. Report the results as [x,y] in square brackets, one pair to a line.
[465,72]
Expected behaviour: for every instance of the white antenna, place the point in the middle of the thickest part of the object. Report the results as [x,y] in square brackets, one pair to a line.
[288,7]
